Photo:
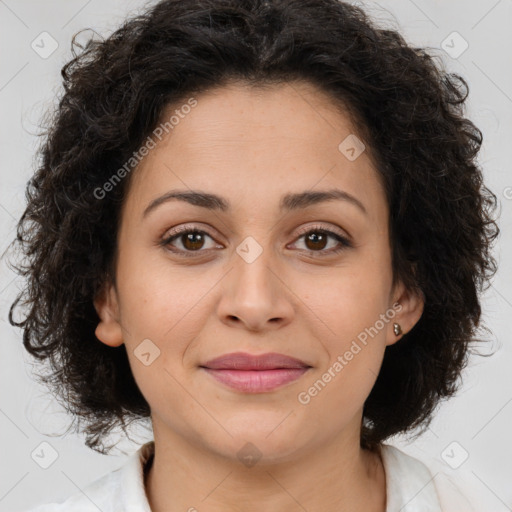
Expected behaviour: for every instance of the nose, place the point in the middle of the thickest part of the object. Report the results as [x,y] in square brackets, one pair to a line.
[255,295]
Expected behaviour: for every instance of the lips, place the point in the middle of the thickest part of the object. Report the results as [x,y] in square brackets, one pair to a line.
[243,361]
[255,374]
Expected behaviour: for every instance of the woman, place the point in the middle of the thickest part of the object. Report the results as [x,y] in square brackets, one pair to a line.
[261,226]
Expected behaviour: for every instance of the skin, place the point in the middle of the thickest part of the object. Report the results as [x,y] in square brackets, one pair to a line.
[251,147]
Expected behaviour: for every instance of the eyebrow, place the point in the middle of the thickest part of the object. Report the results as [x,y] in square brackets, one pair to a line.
[289,202]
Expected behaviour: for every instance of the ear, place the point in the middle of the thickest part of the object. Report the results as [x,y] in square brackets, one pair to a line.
[109,329]
[408,306]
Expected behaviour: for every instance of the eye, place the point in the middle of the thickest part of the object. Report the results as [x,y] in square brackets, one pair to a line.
[189,240]
[316,239]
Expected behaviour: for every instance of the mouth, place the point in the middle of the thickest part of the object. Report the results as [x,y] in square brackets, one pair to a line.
[255,373]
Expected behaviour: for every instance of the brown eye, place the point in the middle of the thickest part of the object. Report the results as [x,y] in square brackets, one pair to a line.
[192,241]
[316,240]
[186,241]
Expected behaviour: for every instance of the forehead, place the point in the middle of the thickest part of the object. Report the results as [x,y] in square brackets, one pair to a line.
[258,143]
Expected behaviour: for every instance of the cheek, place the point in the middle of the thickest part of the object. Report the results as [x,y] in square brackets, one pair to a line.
[155,295]
[161,323]
[348,319]
[169,307]
[153,311]
[348,299]
[354,343]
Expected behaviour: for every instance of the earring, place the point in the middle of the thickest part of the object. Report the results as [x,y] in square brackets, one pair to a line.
[397,329]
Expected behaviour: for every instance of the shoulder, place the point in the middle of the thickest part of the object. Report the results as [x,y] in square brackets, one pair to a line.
[98,495]
[411,482]
[121,490]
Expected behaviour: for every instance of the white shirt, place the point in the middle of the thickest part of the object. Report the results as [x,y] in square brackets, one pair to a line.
[410,487]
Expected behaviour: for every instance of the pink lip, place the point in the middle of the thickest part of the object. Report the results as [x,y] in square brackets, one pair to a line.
[255,374]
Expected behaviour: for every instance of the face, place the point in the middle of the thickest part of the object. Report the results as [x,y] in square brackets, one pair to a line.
[265,267]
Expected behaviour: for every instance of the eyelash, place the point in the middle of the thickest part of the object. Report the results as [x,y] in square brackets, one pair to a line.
[345,243]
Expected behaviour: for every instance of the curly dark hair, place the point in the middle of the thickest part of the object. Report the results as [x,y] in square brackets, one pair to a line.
[408,111]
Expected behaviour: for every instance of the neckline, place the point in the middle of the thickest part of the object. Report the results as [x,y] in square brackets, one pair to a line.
[148,454]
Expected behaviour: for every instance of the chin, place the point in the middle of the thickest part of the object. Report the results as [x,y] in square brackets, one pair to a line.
[264,440]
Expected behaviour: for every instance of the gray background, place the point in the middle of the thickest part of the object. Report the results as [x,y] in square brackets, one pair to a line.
[478,418]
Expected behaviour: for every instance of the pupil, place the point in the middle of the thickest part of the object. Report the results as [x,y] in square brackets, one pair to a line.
[315,238]
[194,241]
[192,244]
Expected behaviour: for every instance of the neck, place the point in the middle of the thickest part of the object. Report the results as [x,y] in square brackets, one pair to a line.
[336,477]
